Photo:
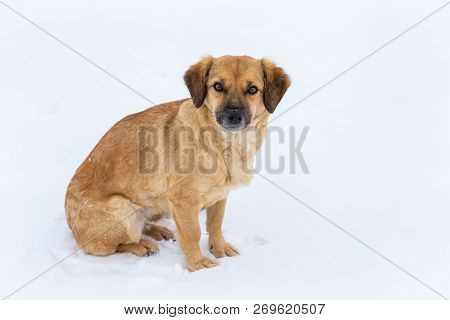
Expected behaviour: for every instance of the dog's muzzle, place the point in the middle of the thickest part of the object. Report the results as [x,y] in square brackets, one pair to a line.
[233,118]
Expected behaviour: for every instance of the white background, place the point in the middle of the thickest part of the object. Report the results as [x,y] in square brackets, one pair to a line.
[378,146]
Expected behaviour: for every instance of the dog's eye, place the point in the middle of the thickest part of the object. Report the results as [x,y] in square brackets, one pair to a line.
[252,90]
[218,87]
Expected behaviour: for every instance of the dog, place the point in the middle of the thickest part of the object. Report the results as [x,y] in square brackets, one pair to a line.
[176,158]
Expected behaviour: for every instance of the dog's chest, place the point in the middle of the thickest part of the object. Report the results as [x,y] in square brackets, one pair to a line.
[239,167]
[238,176]
[227,179]
[219,192]
[234,168]
[234,176]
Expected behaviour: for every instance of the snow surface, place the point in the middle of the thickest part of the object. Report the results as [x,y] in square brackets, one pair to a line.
[378,146]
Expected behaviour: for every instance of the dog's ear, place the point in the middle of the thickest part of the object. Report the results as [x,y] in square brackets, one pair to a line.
[276,82]
[195,79]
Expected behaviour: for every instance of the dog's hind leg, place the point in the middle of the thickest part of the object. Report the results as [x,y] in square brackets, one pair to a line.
[158,232]
[107,226]
[142,248]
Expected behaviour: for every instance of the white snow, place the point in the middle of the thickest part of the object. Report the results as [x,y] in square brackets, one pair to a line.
[378,146]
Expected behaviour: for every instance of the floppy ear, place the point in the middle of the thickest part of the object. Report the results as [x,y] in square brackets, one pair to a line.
[195,79]
[276,82]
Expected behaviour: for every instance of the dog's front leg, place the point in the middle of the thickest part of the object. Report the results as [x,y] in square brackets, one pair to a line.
[217,244]
[188,235]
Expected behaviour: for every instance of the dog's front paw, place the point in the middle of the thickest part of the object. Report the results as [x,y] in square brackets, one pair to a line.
[201,263]
[221,249]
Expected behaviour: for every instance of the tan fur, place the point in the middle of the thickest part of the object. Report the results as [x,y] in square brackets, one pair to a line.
[112,196]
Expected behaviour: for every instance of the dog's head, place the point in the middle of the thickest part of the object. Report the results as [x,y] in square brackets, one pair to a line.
[235,89]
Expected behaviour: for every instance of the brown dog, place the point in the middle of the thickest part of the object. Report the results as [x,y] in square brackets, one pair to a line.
[177,157]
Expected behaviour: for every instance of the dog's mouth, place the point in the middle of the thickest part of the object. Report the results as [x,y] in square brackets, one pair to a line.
[233,118]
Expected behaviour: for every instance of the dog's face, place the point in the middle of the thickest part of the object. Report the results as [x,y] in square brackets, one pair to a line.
[236,89]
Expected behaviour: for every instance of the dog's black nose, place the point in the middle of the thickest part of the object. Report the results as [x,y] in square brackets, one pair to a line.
[235,116]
